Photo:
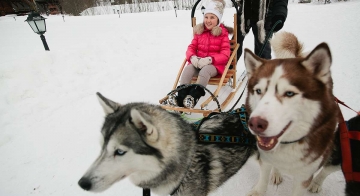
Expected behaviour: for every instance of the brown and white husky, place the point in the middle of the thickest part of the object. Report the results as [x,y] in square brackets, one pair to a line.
[292,114]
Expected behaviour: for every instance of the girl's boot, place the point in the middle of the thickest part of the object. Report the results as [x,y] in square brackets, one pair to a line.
[178,100]
[194,95]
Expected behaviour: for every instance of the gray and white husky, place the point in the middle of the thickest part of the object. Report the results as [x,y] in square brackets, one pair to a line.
[158,150]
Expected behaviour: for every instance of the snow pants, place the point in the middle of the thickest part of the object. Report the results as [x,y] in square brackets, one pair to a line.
[203,74]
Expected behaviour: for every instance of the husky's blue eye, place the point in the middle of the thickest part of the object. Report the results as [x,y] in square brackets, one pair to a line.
[258,91]
[289,93]
[119,152]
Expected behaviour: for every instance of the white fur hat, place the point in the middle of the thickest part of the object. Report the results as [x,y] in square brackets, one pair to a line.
[215,7]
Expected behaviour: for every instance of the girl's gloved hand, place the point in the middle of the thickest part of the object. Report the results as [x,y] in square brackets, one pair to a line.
[204,61]
[194,61]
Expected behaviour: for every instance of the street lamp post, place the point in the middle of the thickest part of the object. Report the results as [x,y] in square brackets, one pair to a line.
[38,25]
[175,10]
[202,9]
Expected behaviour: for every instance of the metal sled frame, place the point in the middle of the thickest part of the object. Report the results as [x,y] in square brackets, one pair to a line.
[229,75]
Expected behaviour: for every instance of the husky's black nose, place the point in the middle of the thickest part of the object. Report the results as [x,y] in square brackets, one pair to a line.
[258,125]
[85,183]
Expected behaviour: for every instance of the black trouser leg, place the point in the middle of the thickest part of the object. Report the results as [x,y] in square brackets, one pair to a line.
[196,92]
[266,53]
[181,95]
[240,39]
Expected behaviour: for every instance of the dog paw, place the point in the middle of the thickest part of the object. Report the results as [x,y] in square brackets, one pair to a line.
[276,178]
[314,188]
[254,193]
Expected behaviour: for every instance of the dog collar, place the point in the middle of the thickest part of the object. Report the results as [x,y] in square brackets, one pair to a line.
[290,142]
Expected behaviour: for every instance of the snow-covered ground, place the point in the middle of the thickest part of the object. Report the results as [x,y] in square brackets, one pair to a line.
[50,118]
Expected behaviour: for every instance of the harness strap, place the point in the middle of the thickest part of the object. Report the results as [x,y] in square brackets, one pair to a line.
[354,135]
[343,103]
[346,165]
[345,137]
[356,176]
[245,138]
[225,139]
[146,192]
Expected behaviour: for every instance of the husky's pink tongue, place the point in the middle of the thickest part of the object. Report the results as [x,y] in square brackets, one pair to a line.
[266,143]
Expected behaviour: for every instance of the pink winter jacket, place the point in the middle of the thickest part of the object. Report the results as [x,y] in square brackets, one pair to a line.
[214,43]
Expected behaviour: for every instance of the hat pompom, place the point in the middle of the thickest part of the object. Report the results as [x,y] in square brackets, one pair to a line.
[220,1]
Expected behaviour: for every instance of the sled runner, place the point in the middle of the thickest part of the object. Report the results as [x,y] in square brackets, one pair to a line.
[228,78]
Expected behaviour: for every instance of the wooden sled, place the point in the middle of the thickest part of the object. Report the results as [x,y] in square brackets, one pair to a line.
[229,77]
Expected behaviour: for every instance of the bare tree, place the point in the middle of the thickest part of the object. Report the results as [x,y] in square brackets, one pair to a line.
[75,7]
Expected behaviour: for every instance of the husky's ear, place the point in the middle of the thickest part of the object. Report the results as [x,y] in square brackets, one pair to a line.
[318,62]
[108,105]
[252,62]
[143,122]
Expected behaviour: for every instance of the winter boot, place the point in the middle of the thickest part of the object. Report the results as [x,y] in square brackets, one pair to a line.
[172,100]
[194,95]
[177,100]
[182,94]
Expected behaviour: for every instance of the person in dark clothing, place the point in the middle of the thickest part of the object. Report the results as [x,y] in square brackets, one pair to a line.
[260,16]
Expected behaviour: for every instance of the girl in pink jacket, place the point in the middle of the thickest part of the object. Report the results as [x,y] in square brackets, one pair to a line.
[207,55]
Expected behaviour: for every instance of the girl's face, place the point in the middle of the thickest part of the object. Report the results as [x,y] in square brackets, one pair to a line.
[210,20]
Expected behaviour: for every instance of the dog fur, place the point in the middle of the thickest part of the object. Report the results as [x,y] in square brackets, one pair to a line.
[292,113]
[158,150]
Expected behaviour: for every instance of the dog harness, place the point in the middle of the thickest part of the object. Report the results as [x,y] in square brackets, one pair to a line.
[244,137]
[345,143]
